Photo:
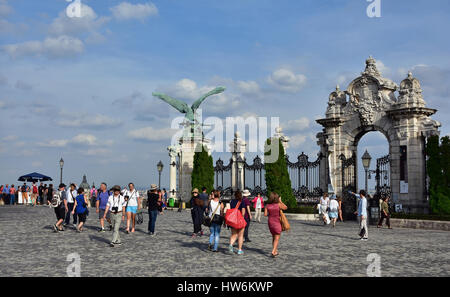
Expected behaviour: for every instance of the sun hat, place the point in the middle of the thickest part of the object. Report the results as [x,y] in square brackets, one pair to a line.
[195,190]
[115,188]
[246,193]
[153,187]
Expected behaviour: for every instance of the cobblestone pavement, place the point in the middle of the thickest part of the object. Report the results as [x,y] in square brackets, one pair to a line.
[29,247]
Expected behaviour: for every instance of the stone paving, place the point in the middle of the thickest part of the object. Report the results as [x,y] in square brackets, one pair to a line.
[29,247]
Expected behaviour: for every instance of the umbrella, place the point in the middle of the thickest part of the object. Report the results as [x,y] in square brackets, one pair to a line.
[34,177]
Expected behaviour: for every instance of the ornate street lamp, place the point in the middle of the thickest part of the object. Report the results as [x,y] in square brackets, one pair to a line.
[61,165]
[366,158]
[160,167]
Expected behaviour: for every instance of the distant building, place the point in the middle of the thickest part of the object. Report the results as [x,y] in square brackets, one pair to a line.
[84,184]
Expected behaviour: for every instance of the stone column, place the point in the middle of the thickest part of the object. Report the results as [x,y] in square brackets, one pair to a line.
[237,148]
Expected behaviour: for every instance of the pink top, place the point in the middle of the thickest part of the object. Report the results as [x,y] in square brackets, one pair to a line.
[255,200]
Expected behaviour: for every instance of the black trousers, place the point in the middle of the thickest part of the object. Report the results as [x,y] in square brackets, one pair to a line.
[75,218]
[387,217]
[246,228]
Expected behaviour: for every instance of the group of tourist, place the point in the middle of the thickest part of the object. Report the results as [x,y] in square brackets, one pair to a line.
[215,210]
[124,204]
[25,194]
[112,206]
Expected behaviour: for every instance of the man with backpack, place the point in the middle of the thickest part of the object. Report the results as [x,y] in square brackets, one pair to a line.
[59,203]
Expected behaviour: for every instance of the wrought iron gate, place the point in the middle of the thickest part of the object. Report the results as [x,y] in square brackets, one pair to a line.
[383,176]
[348,170]
[304,175]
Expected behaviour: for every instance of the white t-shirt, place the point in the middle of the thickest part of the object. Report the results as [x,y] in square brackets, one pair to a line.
[71,195]
[133,197]
[334,205]
[213,207]
[324,201]
[116,201]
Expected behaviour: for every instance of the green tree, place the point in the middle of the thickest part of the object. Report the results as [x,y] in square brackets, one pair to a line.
[277,175]
[203,171]
[438,173]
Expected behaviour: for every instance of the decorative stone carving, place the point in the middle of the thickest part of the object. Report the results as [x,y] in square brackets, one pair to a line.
[411,92]
[283,138]
[336,101]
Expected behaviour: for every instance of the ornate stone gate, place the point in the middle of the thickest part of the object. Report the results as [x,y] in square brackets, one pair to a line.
[370,104]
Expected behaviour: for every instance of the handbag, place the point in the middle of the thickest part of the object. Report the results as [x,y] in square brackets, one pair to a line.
[285,226]
[139,218]
[207,221]
[234,218]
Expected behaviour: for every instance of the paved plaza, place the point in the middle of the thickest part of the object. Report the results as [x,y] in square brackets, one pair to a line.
[29,247]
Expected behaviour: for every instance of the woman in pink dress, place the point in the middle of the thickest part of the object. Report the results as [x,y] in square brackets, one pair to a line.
[272,210]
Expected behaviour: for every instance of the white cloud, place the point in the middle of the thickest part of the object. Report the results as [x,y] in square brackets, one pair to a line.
[127,11]
[248,88]
[10,138]
[297,125]
[287,81]
[58,47]
[5,8]
[96,152]
[151,134]
[54,143]
[297,141]
[87,139]
[88,121]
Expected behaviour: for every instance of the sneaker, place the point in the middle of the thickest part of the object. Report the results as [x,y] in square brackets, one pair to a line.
[215,251]
[74,225]
[209,247]
[55,228]
[101,230]
[247,240]
[365,239]
[112,244]
[117,243]
[240,252]
[231,249]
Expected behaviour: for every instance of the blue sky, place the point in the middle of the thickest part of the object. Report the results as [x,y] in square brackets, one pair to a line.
[81,88]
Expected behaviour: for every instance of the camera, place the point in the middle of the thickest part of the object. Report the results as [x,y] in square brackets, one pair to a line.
[127,197]
[115,209]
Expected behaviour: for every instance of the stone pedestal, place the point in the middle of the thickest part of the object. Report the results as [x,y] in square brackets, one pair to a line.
[187,147]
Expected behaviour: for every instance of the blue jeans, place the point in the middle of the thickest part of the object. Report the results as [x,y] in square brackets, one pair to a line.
[11,199]
[215,235]
[152,215]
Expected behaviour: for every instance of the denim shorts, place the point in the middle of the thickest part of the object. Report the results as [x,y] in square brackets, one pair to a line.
[132,209]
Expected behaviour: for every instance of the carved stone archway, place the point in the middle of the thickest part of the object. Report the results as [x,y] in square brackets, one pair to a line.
[370,104]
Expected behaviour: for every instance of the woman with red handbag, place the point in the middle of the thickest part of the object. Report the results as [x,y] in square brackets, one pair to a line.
[235,219]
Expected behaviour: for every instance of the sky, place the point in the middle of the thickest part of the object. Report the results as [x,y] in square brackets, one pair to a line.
[81,88]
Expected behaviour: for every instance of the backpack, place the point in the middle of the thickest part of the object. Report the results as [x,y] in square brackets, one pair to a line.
[56,200]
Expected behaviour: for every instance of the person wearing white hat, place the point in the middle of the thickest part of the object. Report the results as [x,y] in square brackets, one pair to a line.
[248,214]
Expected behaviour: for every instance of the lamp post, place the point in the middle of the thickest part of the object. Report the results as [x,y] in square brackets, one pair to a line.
[160,167]
[366,158]
[61,165]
